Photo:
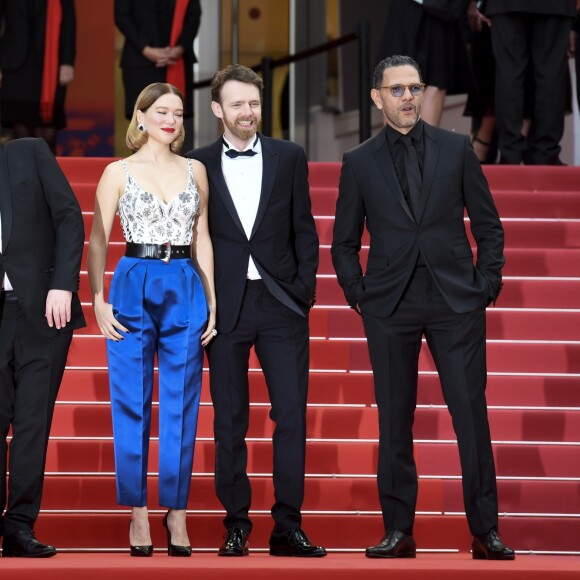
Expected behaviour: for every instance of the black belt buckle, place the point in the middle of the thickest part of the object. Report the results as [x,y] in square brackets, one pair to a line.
[166,259]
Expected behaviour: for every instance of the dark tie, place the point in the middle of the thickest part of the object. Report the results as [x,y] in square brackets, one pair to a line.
[413,171]
[232,153]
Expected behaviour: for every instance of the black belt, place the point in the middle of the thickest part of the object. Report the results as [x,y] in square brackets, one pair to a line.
[163,252]
[9,296]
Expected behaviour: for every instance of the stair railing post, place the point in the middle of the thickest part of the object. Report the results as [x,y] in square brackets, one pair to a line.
[268,78]
[364,67]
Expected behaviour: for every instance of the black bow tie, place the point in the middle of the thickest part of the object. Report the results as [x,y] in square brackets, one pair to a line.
[232,153]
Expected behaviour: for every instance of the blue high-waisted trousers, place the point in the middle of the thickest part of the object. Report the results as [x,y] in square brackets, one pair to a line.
[165,309]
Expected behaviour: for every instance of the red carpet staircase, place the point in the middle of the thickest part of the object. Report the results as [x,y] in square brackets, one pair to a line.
[533,397]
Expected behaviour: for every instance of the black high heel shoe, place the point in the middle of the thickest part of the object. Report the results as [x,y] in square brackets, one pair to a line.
[141,551]
[172,550]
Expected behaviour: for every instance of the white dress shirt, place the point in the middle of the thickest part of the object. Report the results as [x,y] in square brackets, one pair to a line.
[243,177]
[5,282]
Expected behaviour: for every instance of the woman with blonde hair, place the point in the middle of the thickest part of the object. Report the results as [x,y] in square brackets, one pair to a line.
[161,302]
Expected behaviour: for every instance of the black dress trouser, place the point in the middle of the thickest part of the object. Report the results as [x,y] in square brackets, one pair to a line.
[31,369]
[541,40]
[457,344]
[280,338]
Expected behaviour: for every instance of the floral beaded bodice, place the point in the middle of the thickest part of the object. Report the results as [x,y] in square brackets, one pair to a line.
[146,219]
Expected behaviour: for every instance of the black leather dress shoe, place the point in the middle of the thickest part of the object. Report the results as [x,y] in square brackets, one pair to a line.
[294,543]
[394,545]
[235,543]
[490,547]
[23,544]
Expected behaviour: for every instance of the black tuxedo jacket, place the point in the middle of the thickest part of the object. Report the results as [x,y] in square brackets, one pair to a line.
[18,35]
[283,243]
[138,21]
[42,230]
[453,182]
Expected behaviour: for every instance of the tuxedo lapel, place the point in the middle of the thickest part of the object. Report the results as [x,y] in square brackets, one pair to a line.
[269,167]
[384,160]
[215,171]
[5,199]
[431,144]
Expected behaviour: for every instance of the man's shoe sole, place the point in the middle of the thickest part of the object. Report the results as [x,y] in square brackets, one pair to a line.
[401,555]
[485,556]
[16,555]
[283,553]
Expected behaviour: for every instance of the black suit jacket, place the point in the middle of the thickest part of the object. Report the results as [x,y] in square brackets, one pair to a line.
[19,36]
[42,230]
[284,242]
[137,20]
[453,182]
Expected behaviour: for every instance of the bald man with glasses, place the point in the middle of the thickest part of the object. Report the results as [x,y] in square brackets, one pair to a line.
[410,185]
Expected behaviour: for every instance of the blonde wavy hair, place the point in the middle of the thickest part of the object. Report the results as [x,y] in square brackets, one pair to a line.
[135,138]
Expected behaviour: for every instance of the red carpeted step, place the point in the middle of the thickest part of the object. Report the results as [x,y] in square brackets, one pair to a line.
[535,180]
[541,262]
[94,420]
[109,531]
[260,566]
[553,233]
[332,457]
[84,169]
[347,355]
[520,203]
[357,388]
[85,192]
[324,173]
[322,494]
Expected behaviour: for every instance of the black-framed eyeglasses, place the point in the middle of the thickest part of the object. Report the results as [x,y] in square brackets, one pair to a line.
[399,90]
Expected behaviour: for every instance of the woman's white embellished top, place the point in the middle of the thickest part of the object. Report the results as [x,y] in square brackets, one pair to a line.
[146,219]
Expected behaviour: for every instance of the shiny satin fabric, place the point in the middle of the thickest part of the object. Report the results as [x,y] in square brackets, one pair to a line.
[165,310]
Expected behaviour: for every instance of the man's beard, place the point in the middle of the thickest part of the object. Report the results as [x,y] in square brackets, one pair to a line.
[240,132]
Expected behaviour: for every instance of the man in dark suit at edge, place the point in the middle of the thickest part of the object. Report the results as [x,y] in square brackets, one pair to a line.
[266,256]
[42,236]
[411,184]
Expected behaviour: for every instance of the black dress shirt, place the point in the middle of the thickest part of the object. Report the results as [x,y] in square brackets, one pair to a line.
[398,152]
